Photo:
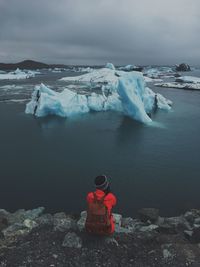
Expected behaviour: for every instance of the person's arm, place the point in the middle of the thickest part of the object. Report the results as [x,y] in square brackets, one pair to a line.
[89,197]
[111,200]
[114,200]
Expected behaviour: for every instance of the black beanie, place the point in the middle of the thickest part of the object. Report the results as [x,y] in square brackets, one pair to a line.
[101,182]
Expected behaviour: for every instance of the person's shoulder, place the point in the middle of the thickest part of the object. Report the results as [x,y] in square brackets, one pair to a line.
[110,195]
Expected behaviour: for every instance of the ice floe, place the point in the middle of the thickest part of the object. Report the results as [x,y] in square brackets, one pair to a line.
[188,79]
[130,68]
[159,72]
[18,74]
[120,91]
[186,86]
[56,70]
[150,80]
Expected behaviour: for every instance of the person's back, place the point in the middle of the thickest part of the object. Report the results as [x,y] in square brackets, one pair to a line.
[100,203]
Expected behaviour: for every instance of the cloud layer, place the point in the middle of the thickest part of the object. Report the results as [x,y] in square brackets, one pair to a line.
[97,31]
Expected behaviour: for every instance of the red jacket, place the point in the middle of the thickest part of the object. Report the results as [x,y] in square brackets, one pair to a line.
[109,201]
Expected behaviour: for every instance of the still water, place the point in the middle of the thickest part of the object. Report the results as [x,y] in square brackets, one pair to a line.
[52,161]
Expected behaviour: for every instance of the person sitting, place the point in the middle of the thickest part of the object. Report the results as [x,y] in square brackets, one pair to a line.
[100,203]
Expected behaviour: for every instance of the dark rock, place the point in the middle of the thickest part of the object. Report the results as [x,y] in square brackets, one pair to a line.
[3,219]
[149,228]
[131,223]
[111,241]
[71,240]
[82,220]
[189,216]
[193,235]
[35,213]
[30,224]
[148,214]
[15,230]
[63,223]
[197,221]
[46,219]
[192,216]
[183,67]
[20,215]
[196,235]
[188,234]
[173,225]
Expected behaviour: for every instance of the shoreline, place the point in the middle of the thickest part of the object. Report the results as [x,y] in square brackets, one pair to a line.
[36,238]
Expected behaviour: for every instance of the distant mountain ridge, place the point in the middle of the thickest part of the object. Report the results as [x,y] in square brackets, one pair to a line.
[29,64]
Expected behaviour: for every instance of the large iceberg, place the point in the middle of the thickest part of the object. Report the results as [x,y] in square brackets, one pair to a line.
[120,91]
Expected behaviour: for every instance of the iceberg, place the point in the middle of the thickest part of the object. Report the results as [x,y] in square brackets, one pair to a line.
[124,92]
[186,86]
[57,70]
[159,72]
[188,79]
[18,74]
[150,80]
[110,66]
[99,76]
[128,67]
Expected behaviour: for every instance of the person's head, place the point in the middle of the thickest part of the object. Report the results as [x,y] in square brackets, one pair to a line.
[101,182]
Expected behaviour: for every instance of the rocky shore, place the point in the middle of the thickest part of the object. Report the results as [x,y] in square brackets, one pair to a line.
[35,238]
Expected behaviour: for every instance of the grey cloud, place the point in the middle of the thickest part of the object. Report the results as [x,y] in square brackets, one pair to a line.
[97,31]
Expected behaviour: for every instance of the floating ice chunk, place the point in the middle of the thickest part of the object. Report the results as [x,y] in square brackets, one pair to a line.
[186,86]
[159,72]
[110,66]
[164,103]
[149,80]
[57,70]
[18,74]
[188,79]
[83,69]
[130,67]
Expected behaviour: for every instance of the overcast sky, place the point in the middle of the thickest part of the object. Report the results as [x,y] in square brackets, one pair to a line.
[100,31]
